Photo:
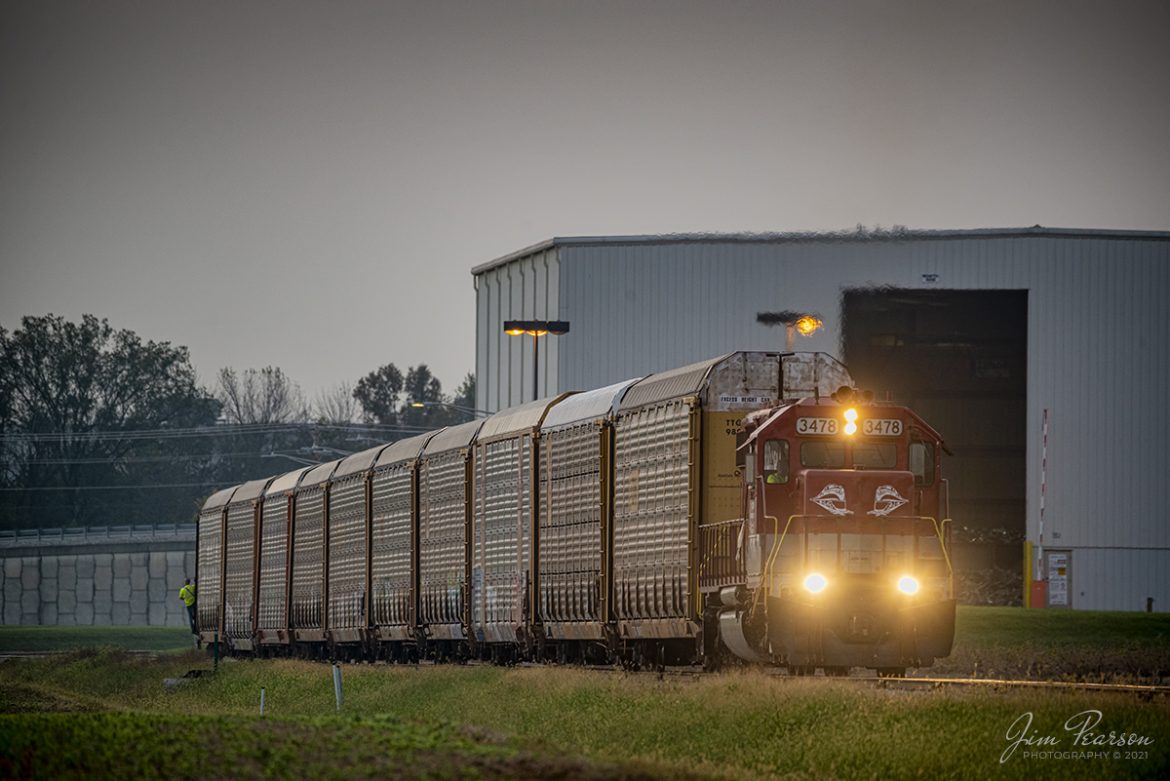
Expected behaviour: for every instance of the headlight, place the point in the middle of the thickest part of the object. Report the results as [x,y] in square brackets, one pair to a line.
[815,583]
[850,421]
[908,585]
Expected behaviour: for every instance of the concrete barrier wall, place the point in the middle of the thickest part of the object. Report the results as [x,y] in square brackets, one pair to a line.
[131,583]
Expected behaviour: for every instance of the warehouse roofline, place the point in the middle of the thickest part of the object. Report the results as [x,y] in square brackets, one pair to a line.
[860,234]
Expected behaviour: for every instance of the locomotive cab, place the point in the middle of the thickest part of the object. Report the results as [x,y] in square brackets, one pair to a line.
[845,541]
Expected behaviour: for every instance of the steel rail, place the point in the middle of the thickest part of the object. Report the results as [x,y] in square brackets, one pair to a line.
[938,683]
[882,682]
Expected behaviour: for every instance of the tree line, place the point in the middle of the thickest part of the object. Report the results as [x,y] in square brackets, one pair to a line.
[101,427]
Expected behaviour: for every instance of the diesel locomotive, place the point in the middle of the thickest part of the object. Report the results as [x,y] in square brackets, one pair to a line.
[749,508]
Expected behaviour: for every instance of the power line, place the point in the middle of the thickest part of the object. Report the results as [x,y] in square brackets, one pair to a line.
[161,433]
[136,460]
[132,459]
[148,486]
[209,431]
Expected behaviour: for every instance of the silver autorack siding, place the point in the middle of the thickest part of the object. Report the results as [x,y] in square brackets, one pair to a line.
[272,607]
[570,541]
[209,572]
[347,554]
[501,527]
[275,525]
[443,544]
[444,514]
[392,565]
[503,514]
[308,570]
[573,515]
[654,484]
[310,552]
[240,578]
[240,557]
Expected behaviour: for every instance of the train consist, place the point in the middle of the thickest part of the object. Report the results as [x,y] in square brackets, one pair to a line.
[750,507]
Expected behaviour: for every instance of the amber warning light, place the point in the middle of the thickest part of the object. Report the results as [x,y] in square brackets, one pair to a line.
[808,324]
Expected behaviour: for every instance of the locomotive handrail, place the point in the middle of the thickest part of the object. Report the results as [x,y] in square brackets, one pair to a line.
[775,548]
[707,533]
[776,533]
[942,543]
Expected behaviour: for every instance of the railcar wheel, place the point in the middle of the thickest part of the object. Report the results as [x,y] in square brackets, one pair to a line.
[836,672]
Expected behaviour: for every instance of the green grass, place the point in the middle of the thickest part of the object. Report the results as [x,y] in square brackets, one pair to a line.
[136,745]
[1059,644]
[491,722]
[162,639]
[105,713]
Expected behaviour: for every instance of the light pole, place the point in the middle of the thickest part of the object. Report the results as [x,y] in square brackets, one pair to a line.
[536,329]
[294,459]
[474,413]
[311,450]
[804,322]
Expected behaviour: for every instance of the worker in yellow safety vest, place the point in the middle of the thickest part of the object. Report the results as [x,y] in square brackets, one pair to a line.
[187,594]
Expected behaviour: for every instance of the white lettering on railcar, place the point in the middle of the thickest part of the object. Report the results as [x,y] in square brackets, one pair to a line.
[758,401]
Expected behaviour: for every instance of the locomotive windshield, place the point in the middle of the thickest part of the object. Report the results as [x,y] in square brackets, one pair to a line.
[822,455]
[875,455]
[832,455]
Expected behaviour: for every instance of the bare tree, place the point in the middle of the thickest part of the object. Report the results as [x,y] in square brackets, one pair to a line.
[260,396]
[337,405]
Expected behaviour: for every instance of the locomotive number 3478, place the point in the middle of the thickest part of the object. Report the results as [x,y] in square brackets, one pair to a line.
[807,426]
[882,427]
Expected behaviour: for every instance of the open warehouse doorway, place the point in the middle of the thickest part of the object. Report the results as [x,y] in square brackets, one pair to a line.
[958,358]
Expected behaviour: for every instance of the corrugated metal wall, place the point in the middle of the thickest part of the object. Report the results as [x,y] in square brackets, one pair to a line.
[525,289]
[1098,352]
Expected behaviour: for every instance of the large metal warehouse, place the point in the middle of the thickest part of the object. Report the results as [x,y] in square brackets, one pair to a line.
[1041,355]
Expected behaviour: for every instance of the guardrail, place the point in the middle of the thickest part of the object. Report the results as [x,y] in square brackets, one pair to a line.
[96,535]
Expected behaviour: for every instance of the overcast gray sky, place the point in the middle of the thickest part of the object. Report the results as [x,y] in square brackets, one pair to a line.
[308,184]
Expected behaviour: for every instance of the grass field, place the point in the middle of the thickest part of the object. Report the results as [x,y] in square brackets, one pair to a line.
[67,638]
[1059,644]
[107,714]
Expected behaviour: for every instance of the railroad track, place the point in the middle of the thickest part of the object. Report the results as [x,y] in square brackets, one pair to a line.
[695,674]
[922,683]
[1149,690]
